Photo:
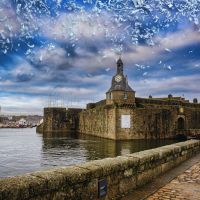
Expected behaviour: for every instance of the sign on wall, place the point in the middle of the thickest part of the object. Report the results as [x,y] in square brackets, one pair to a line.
[102,188]
[125,121]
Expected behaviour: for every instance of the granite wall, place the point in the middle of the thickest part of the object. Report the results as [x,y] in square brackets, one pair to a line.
[149,119]
[193,118]
[54,120]
[110,178]
[59,120]
[146,121]
[99,121]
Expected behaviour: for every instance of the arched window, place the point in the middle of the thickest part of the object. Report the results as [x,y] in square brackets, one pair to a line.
[181,123]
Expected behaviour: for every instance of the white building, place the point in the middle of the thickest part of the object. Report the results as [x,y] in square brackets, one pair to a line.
[22,121]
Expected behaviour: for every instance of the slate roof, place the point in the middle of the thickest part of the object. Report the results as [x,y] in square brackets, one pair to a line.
[123,84]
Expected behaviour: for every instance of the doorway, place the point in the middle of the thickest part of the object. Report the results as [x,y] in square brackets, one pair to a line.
[181,123]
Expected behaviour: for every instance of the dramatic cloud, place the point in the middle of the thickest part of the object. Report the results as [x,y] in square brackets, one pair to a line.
[66,51]
[176,84]
[9,25]
[22,104]
[79,26]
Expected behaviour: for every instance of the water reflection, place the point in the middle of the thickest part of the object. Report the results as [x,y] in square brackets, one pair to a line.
[22,150]
[84,148]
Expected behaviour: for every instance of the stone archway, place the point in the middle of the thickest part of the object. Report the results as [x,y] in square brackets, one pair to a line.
[181,123]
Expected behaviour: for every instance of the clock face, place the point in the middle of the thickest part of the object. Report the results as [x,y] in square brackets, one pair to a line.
[118,78]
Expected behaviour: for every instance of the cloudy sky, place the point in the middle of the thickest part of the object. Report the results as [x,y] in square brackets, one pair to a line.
[64,52]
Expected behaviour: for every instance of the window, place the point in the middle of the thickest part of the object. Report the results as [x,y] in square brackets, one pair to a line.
[109,96]
[125,95]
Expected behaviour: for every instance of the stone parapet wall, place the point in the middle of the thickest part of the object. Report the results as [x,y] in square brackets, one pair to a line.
[162,102]
[122,175]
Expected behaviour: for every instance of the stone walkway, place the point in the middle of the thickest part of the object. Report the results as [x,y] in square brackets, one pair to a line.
[185,187]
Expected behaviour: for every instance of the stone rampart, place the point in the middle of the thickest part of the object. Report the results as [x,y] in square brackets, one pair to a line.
[112,177]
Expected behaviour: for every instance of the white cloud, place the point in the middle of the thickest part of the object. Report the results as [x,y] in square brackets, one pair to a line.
[90,79]
[51,56]
[186,85]
[22,67]
[106,57]
[22,104]
[45,90]
[79,26]
[171,41]
[39,98]
[9,25]
[6,83]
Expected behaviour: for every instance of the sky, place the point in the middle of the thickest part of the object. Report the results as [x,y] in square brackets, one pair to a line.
[64,52]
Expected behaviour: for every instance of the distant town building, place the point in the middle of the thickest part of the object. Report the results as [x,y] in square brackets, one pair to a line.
[22,122]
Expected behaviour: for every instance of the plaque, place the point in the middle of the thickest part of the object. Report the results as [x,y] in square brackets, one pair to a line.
[102,188]
[181,110]
[125,121]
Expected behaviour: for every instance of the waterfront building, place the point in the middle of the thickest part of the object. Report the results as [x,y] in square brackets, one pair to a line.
[123,116]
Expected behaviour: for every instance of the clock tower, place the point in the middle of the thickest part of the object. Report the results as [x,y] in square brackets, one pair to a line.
[120,92]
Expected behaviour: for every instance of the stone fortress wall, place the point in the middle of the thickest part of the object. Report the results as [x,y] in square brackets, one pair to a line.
[59,120]
[123,116]
[110,178]
[149,119]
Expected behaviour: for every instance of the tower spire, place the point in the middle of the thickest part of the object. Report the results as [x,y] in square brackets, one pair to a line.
[120,66]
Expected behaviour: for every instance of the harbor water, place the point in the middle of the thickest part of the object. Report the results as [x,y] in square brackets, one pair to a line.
[24,150]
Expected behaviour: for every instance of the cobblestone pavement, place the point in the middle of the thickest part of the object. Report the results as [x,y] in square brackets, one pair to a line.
[184,187]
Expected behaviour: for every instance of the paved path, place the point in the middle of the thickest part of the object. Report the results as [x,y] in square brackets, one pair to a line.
[185,187]
[172,182]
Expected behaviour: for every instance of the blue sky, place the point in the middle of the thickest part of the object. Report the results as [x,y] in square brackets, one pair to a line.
[66,51]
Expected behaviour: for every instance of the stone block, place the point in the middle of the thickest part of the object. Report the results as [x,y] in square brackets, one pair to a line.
[148,175]
[94,169]
[87,190]
[113,192]
[114,179]
[112,165]
[53,178]
[63,176]
[145,156]
[128,172]
[127,184]
[167,166]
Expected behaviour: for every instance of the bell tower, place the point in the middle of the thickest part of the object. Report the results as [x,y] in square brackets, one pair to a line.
[120,92]
[120,67]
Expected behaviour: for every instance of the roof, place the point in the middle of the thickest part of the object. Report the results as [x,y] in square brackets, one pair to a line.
[123,84]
